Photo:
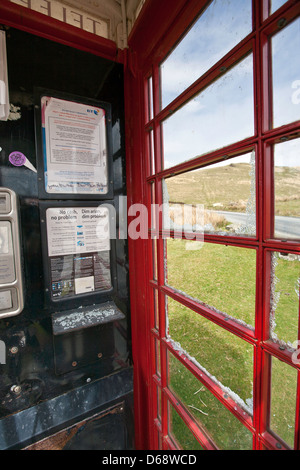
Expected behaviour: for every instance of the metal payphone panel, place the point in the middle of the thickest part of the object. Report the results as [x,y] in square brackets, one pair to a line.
[11,283]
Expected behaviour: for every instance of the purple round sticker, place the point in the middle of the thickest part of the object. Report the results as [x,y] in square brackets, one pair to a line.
[17,158]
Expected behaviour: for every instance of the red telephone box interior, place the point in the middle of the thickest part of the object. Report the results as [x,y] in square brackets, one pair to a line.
[182,331]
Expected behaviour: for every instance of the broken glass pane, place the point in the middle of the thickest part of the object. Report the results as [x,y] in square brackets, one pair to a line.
[286,74]
[220,27]
[283,400]
[226,191]
[218,276]
[225,429]
[224,357]
[284,305]
[220,115]
[287,189]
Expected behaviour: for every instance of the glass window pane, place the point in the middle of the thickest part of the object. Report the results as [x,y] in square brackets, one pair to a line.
[284,309]
[222,25]
[156,316]
[159,403]
[205,342]
[150,98]
[225,429]
[220,115]
[157,357]
[275,4]
[287,189]
[150,152]
[226,193]
[154,259]
[283,401]
[286,74]
[180,433]
[219,276]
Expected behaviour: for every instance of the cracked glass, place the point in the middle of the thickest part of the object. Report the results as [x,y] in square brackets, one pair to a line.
[284,298]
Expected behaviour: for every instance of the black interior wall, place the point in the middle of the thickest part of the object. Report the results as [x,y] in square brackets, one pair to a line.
[36,62]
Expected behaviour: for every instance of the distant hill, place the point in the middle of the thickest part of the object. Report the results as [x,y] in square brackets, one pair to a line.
[228,188]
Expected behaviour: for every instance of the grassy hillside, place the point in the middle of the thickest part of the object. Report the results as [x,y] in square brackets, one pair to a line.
[228,188]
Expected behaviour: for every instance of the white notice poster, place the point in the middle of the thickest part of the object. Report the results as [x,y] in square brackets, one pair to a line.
[79,250]
[75,148]
[73,230]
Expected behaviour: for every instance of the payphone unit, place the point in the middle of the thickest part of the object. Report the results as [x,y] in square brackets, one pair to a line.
[11,282]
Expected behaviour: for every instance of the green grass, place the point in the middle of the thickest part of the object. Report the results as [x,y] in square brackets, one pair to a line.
[220,276]
[220,425]
[287,191]
[283,400]
[229,187]
[221,353]
[224,278]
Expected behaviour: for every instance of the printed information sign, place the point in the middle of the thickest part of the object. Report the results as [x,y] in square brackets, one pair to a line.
[78,250]
[75,147]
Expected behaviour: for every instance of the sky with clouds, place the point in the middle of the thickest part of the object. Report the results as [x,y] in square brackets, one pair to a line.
[223,113]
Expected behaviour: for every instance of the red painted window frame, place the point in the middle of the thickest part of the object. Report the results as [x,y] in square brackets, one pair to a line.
[151,40]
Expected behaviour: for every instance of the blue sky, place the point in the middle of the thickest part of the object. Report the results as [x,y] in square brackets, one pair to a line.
[224,112]
[275,4]
[286,70]
[221,26]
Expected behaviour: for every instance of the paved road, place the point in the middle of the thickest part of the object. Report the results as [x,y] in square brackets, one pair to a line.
[285,227]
